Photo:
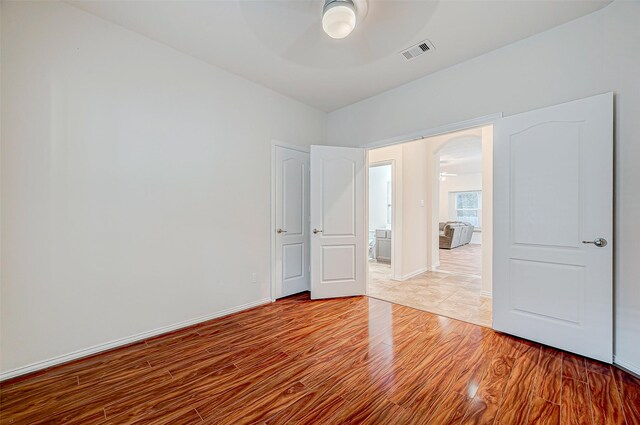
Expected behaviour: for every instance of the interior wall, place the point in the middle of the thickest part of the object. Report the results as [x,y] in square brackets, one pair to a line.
[487,210]
[0,186]
[594,54]
[409,256]
[379,176]
[135,189]
[459,183]
[414,198]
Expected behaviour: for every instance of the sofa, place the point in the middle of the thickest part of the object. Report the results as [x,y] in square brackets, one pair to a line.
[454,234]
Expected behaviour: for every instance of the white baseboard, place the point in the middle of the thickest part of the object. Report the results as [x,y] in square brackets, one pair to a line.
[414,273]
[433,268]
[33,367]
[630,367]
[487,294]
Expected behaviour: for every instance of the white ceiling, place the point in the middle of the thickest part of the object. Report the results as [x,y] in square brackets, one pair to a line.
[280,44]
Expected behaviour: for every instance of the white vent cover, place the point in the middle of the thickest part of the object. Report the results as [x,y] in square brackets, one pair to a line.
[417,50]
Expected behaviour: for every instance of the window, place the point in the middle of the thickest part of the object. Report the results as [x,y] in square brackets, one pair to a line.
[468,207]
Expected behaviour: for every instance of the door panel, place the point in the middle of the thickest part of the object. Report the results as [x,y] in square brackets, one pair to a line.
[553,185]
[292,261]
[338,197]
[292,211]
[535,190]
[338,263]
[338,245]
[293,193]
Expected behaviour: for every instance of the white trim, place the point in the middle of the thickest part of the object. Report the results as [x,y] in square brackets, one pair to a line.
[435,131]
[366,222]
[298,148]
[272,218]
[33,367]
[414,273]
[433,268]
[272,224]
[629,367]
[487,294]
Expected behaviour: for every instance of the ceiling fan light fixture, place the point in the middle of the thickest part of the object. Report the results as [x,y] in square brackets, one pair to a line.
[444,175]
[338,18]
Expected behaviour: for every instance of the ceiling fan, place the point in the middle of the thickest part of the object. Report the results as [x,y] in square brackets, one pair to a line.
[338,18]
[303,31]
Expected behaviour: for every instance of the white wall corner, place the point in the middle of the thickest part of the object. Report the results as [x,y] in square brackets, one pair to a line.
[414,273]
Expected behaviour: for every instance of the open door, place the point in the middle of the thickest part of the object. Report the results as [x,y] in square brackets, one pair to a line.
[553,215]
[338,236]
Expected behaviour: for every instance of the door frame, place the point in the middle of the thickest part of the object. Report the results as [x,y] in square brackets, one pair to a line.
[395,252]
[435,131]
[482,121]
[272,217]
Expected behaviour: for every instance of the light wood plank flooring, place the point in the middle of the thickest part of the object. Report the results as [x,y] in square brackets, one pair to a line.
[342,361]
[466,259]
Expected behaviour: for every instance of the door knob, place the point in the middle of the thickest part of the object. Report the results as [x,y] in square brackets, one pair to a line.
[316,231]
[599,242]
[280,231]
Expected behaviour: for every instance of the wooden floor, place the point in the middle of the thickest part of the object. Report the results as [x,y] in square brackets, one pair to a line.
[447,294]
[465,259]
[354,360]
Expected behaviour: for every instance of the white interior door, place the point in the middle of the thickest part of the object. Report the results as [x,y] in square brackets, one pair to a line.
[553,198]
[339,236]
[291,221]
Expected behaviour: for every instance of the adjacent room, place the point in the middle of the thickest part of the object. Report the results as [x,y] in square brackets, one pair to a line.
[319,212]
[460,206]
[433,225]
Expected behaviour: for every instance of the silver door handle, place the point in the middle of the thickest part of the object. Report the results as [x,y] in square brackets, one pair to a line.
[316,231]
[280,231]
[599,242]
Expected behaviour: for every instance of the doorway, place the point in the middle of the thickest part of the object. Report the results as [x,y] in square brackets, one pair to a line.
[552,256]
[439,223]
[380,235]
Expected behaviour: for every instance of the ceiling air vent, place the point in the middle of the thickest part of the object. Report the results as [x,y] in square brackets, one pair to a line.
[417,50]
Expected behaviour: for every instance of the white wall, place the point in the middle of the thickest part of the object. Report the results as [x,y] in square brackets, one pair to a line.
[409,229]
[459,183]
[378,178]
[487,210]
[135,189]
[594,54]
[414,210]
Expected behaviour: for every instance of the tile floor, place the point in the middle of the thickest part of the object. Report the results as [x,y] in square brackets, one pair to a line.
[447,294]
